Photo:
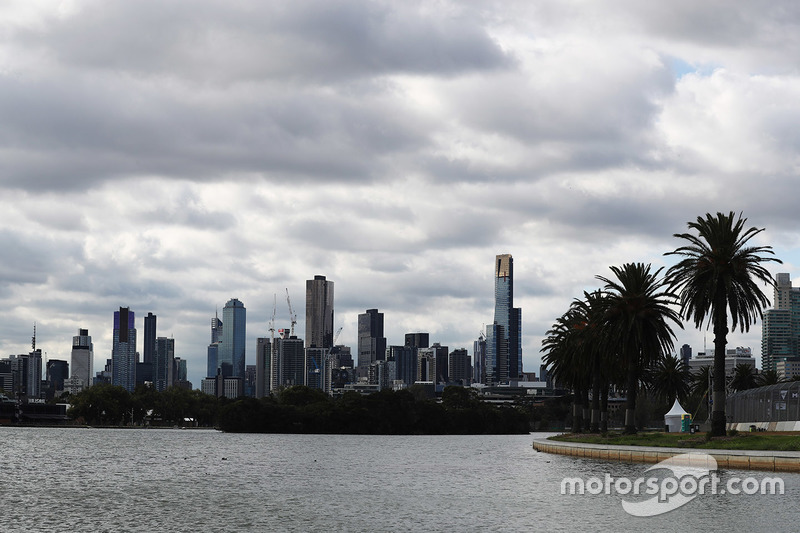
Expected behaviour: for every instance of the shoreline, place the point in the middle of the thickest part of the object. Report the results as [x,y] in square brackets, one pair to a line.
[765,460]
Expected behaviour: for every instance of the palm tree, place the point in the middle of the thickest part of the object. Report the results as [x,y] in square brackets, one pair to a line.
[719,272]
[589,314]
[769,377]
[563,362]
[638,324]
[670,379]
[744,377]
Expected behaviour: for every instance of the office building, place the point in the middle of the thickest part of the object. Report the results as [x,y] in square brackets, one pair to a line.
[405,358]
[56,372]
[441,355]
[263,367]
[504,336]
[479,360]
[686,354]
[459,367]
[123,352]
[417,340]
[216,329]
[371,342]
[426,365]
[780,327]
[149,348]
[163,363]
[290,362]
[231,352]
[319,313]
[82,359]
[733,358]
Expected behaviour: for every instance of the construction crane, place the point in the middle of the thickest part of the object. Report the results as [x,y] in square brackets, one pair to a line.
[292,314]
[272,321]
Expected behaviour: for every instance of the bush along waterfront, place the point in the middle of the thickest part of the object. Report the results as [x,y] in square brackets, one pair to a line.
[301,409]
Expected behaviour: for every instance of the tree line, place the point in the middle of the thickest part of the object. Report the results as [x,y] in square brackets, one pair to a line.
[620,336]
[301,409]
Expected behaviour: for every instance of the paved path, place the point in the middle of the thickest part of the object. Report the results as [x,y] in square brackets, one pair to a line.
[775,461]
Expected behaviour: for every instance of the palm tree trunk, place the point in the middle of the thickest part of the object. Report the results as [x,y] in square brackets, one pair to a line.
[595,425]
[585,405]
[604,408]
[630,407]
[577,412]
[718,421]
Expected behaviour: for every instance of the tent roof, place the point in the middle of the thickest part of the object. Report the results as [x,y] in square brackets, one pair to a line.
[676,410]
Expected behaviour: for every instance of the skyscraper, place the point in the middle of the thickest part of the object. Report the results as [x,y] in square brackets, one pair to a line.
[319,313]
[504,336]
[216,329]
[418,340]
[163,363]
[290,362]
[149,338]
[263,367]
[780,333]
[213,348]
[123,352]
[371,342]
[232,349]
[82,358]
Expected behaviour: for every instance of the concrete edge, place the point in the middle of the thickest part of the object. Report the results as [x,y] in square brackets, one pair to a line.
[771,461]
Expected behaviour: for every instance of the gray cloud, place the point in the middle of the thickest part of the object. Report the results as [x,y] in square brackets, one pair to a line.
[170,157]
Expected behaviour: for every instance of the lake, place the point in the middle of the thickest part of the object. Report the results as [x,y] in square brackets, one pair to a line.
[78,479]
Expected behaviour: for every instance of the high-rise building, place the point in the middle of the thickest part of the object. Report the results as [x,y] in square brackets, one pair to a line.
[290,362]
[82,358]
[216,329]
[57,371]
[426,365]
[686,354]
[459,366]
[149,348]
[232,349]
[780,337]
[181,373]
[479,360]
[441,353]
[504,336]
[319,313]
[163,363]
[212,360]
[405,358]
[250,380]
[123,352]
[371,342]
[263,367]
[33,388]
[418,340]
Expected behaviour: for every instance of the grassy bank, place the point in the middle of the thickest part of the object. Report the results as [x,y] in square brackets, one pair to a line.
[742,441]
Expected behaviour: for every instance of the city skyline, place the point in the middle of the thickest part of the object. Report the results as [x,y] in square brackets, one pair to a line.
[393,147]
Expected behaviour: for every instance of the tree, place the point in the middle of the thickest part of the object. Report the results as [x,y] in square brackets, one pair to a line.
[768,377]
[744,377]
[670,379]
[589,316]
[718,271]
[638,324]
[567,364]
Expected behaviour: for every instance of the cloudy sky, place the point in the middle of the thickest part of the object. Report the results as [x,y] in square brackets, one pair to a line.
[169,155]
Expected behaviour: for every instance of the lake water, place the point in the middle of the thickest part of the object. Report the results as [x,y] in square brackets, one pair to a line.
[69,479]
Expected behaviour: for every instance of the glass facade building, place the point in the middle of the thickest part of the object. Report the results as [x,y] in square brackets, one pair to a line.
[504,336]
[232,349]
[123,352]
[319,313]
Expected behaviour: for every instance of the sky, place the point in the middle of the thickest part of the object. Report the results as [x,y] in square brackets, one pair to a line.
[168,156]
